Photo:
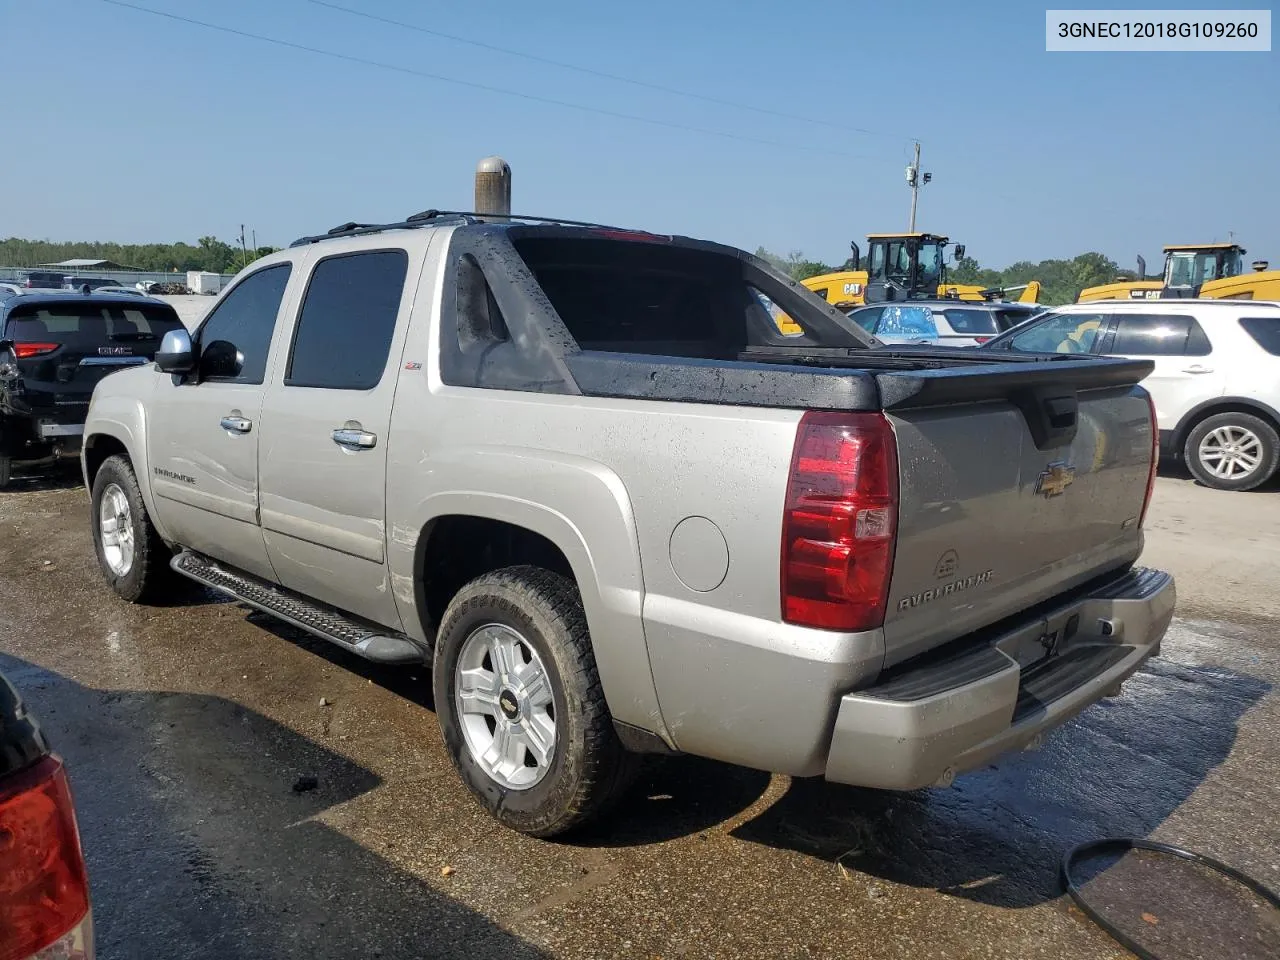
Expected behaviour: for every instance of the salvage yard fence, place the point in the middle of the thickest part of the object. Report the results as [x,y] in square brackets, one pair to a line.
[126,278]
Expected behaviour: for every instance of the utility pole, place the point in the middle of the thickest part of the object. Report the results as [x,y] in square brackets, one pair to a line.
[916,179]
[244,254]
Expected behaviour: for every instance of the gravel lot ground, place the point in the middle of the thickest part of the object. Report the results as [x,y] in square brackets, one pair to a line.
[185,728]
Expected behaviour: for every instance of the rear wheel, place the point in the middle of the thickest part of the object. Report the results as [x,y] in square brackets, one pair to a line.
[133,558]
[520,703]
[1232,451]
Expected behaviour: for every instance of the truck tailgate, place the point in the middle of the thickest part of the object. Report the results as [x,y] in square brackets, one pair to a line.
[1014,487]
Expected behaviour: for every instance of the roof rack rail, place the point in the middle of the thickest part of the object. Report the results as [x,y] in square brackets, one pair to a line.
[425,218]
[353,229]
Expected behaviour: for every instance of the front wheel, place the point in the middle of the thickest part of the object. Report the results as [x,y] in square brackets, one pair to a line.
[133,558]
[520,705]
[1232,451]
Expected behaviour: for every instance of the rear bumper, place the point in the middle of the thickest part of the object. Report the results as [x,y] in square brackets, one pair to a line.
[27,436]
[51,431]
[923,724]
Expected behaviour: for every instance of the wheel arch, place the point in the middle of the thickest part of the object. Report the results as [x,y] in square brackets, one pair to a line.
[573,512]
[118,424]
[1228,404]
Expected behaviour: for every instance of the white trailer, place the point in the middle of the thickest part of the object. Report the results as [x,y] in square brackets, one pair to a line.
[201,281]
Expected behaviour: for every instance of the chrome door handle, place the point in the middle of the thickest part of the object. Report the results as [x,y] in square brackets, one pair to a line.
[355,439]
[236,424]
[1197,369]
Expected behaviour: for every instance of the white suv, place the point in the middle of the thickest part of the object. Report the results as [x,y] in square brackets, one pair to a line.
[1216,383]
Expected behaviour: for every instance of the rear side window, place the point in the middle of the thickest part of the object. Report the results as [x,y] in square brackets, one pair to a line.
[1158,335]
[90,324]
[1265,332]
[236,337]
[347,321]
[971,322]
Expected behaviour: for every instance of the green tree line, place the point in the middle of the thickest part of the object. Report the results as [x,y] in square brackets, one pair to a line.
[208,253]
[1061,280]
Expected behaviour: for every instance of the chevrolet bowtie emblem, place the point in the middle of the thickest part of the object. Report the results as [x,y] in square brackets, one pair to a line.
[1055,479]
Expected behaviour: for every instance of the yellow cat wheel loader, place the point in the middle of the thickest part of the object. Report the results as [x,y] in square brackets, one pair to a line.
[1210,270]
[904,266]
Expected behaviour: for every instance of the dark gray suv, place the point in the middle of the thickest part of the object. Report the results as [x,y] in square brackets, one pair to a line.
[54,348]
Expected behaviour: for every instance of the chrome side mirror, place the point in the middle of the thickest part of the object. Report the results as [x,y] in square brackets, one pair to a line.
[176,353]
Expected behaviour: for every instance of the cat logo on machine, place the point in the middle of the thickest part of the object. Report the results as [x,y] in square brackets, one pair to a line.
[852,289]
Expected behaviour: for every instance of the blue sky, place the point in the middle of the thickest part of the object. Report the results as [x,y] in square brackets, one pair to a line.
[126,126]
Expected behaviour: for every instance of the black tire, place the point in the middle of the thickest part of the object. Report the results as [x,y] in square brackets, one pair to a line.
[589,769]
[149,578]
[1268,443]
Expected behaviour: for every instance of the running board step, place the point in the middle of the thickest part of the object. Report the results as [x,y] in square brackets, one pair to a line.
[364,640]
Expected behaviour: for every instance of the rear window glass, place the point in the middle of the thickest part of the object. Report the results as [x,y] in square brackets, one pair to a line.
[898,321]
[607,302]
[1007,319]
[971,321]
[645,298]
[1265,331]
[90,323]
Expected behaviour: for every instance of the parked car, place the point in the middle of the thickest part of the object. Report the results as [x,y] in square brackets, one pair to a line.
[54,348]
[87,284]
[952,323]
[1216,382]
[10,290]
[43,280]
[126,291]
[44,890]
[582,473]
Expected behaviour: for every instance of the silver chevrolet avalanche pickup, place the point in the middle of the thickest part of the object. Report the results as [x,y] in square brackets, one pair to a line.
[582,474]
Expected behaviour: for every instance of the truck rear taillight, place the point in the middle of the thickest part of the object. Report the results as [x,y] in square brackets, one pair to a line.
[981,340]
[44,893]
[25,351]
[1155,459]
[839,522]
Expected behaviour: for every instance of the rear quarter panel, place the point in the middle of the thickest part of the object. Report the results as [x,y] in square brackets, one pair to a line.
[608,481]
